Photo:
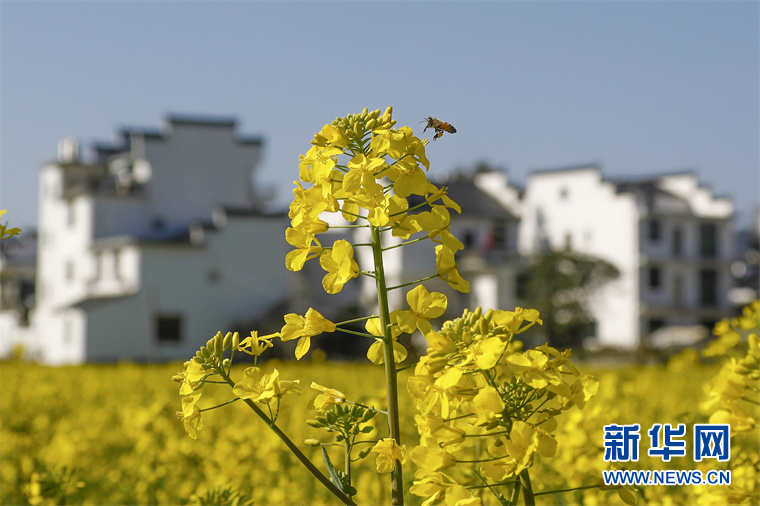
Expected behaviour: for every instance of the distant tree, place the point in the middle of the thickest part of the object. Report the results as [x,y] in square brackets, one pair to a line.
[559,284]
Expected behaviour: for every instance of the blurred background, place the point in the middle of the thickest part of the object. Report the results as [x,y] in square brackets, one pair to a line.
[606,159]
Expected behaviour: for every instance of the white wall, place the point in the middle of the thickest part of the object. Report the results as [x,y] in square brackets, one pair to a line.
[579,207]
[236,275]
[196,169]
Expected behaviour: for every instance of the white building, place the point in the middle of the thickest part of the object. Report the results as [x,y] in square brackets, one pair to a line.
[148,250]
[159,241]
[669,237]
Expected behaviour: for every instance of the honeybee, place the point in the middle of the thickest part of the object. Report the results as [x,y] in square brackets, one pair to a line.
[439,126]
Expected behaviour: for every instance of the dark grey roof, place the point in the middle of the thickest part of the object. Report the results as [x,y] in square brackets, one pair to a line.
[95,303]
[202,120]
[104,150]
[567,168]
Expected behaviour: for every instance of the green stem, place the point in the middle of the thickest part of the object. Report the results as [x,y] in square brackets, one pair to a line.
[356,320]
[412,241]
[414,282]
[563,490]
[220,405]
[347,462]
[324,480]
[476,461]
[354,332]
[391,380]
[530,499]
[515,495]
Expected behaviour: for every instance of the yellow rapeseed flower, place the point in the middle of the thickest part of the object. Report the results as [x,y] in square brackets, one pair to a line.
[340,266]
[304,328]
[388,452]
[327,397]
[423,306]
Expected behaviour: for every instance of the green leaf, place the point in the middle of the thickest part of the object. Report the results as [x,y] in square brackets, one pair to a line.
[333,473]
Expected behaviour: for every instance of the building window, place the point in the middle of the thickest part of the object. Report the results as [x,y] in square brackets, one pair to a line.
[69,270]
[708,287]
[677,291]
[655,324]
[158,223]
[710,324]
[469,239]
[655,278]
[499,235]
[168,328]
[522,286]
[71,214]
[708,240]
[654,230]
[677,242]
[116,264]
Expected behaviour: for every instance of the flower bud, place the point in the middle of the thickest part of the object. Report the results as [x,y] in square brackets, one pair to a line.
[319,140]
[227,341]
[226,363]
[312,442]
[484,326]
[371,123]
[235,340]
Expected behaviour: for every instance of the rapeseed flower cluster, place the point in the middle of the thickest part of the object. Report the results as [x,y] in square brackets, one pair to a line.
[486,405]
[384,166]
[734,399]
[256,386]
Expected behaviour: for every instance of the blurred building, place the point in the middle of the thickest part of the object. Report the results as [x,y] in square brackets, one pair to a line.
[154,245]
[746,265]
[157,241]
[18,268]
[670,238]
[487,227]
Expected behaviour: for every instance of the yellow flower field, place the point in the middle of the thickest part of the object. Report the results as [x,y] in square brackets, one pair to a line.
[108,434]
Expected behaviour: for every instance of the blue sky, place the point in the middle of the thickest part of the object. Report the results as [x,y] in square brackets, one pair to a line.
[638,88]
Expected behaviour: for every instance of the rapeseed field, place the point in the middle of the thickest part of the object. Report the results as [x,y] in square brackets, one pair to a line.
[108,434]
